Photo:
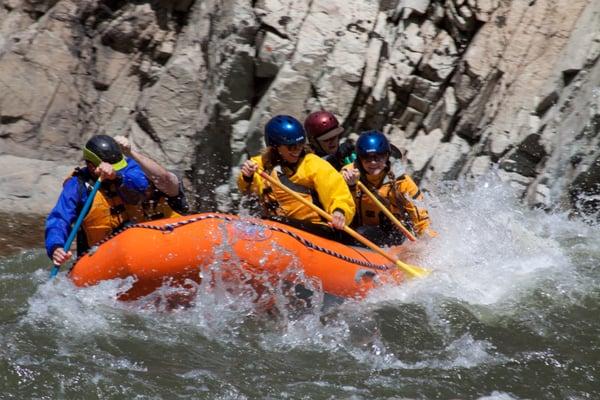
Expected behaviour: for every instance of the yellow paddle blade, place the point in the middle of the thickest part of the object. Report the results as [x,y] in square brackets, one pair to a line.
[413,269]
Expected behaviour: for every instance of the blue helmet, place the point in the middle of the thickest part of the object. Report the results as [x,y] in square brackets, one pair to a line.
[372,142]
[284,130]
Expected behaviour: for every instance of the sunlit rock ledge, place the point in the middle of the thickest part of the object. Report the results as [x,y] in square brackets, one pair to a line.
[463,86]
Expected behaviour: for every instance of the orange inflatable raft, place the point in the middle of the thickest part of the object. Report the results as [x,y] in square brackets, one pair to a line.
[174,250]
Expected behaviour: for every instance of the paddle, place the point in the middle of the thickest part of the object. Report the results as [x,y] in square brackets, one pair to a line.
[82,214]
[411,269]
[387,212]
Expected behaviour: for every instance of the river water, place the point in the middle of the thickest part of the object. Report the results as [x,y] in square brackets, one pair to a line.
[511,311]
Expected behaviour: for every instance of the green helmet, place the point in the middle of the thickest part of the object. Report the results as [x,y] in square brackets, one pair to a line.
[104,148]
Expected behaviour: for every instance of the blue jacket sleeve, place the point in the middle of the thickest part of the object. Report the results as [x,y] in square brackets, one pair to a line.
[133,177]
[62,216]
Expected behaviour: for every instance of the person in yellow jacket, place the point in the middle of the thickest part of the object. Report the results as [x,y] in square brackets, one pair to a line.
[287,160]
[398,192]
[164,197]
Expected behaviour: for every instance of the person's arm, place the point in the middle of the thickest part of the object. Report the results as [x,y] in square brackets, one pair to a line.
[332,190]
[248,180]
[165,181]
[58,222]
[351,175]
[133,178]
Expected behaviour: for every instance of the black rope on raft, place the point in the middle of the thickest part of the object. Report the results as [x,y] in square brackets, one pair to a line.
[167,228]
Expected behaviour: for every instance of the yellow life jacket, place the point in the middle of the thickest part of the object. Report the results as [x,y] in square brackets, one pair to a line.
[393,192]
[313,179]
[369,213]
[106,213]
[277,201]
[156,207]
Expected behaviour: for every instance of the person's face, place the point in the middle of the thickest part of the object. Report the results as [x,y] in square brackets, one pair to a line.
[331,145]
[92,168]
[290,153]
[374,163]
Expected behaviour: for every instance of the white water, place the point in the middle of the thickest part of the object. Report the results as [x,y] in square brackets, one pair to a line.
[491,256]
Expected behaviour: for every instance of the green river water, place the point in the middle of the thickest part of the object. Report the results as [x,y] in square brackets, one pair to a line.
[511,311]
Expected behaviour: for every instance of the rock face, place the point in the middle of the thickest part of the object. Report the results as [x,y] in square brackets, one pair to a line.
[463,86]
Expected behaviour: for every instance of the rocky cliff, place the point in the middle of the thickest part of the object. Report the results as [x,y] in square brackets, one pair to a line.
[463,86]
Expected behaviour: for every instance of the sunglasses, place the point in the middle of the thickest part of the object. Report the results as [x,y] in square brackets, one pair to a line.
[374,157]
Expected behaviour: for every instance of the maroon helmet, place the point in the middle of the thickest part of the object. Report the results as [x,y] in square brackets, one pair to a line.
[322,125]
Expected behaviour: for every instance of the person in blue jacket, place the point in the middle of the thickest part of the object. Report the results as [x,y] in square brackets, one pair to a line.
[123,186]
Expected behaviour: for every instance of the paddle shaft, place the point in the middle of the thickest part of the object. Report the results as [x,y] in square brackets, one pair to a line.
[387,212]
[411,269]
[82,214]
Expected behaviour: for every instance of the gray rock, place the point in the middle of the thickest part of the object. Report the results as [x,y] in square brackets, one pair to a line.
[463,86]
[30,186]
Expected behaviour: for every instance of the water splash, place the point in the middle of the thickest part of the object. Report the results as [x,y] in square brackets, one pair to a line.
[505,282]
[490,248]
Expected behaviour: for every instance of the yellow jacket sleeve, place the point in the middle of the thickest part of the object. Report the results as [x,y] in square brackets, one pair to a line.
[407,192]
[256,185]
[330,186]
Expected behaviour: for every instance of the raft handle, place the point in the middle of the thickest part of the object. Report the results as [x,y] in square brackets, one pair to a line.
[365,274]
